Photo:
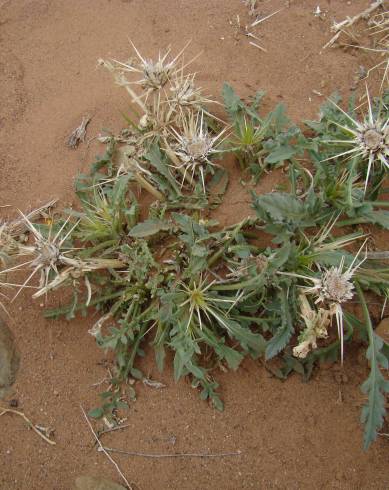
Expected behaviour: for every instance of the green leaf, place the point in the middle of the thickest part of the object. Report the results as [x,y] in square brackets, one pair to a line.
[232,102]
[281,206]
[217,402]
[148,228]
[247,339]
[285,331]
[160,355]
[376,385]
[135,373]
[280,154]
[380,218]
[96,413]
[158,161]
[232,357]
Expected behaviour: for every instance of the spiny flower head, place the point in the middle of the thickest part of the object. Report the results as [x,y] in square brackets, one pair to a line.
[194,146]
[185,93]
[369,139]
[334,286]
[153,74]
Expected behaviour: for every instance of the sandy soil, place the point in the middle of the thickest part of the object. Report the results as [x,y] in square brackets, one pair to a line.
[292,435]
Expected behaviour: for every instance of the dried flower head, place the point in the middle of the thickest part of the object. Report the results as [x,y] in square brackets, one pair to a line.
[334,285]
[368,139]
[195,147]
[153,75]
[332,288]
[46,253]
[185,93]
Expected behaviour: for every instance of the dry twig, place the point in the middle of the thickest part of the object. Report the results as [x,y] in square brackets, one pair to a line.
[112,429]
[258,21]
[30,424]
[173,455]
[102,449]
[339,27]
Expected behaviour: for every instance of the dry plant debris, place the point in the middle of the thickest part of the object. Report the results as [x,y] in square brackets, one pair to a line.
[378,32]
[78,135]
[42,432]
[340,27]
[209,294]
[246,30]
[106,452]
[171,455]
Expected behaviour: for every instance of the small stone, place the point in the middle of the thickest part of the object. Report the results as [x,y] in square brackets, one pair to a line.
[9,359]
[14,403]
[56,393]
[96,483]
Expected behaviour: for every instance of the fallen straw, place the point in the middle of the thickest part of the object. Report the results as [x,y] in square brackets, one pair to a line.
[30,424]
[102,449]
[349,21]
[258,21]
[173,455]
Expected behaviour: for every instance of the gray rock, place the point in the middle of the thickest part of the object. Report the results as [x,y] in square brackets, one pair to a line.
[9,359]
[96,483]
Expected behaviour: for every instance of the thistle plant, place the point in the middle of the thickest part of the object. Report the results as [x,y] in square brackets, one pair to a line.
[175,279]
[173,110]
[46,254]
[364,142]
[369,140]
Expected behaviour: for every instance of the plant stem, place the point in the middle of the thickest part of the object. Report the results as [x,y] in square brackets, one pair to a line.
[90,251]
[139,337]
[148,187]
[383,204]
[216,256]
[351,221]
[239,285]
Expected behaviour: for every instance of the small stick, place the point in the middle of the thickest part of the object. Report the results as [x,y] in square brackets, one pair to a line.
[349,21]
[258,46]
[21,414]
[101,448]
[255,23]
[117,427]
[174,455]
